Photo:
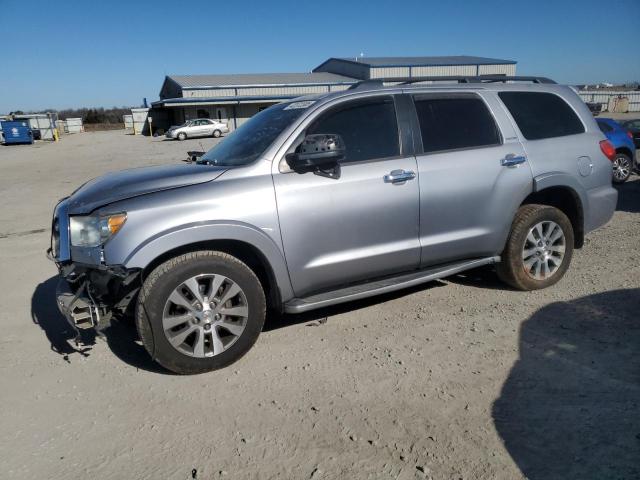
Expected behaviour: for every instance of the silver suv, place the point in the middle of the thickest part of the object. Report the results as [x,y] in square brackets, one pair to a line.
[331,198]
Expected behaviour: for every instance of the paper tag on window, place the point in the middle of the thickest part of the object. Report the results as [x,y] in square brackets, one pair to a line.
[296,105]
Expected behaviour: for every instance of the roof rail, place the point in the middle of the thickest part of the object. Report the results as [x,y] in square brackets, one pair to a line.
[474,79]
[367,83]
[379,82]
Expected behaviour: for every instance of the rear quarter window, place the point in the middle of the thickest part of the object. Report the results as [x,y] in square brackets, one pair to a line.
[541,115]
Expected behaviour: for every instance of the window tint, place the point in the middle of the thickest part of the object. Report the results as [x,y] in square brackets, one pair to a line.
[541,115]
[368,128]
[247,143]
[455,122]
[604,127]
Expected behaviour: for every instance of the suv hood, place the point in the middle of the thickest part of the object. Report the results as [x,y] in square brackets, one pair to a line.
[131,183]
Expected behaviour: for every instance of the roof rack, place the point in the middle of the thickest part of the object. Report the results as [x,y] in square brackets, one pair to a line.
[379,82]
[472,79]
[367,83]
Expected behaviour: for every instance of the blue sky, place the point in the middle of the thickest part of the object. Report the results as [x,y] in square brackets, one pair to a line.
[105,53]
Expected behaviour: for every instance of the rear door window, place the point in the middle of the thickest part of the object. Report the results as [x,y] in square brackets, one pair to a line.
[368,128]
[541,115]
[455,122]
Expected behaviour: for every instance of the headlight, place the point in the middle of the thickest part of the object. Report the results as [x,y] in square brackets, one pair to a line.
[94,230]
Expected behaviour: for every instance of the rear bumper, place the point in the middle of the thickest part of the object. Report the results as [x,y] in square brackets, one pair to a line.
[602,204]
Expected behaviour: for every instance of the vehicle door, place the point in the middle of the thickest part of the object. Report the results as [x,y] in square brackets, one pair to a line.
[363,224]
[190,128]
[207,127]
[200,127]
[473,175]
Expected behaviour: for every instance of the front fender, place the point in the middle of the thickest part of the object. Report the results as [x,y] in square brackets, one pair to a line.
[166,241]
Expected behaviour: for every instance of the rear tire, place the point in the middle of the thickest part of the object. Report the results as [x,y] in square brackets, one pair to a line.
[200,311]
[217,133]
[621,168]
[182,136]
[539,248]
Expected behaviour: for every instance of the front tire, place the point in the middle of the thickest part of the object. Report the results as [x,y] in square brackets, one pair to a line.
[182,136]
[621,168]
[539,248]
[200,311]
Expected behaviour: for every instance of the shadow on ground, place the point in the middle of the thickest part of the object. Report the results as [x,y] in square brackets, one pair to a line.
[315,317]
[482,277]
[570,408]
[629,195]
[121,336]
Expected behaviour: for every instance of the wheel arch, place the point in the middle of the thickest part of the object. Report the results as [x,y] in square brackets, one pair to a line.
[626,151]
[566,198]
[252,247]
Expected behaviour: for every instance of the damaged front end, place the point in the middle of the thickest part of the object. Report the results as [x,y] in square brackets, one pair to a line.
[89,297]
[88,294]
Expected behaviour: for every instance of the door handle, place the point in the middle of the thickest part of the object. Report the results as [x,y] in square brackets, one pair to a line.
[399,176]
[512,159]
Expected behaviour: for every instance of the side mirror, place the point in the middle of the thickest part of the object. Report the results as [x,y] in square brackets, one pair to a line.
[318,153]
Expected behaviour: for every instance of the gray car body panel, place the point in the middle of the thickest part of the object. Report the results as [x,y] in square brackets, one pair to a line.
[239,205]
[467,198]
[318,233]
[124,184]
[357,227]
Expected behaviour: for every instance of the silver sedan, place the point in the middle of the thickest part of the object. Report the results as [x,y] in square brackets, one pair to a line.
[203,127]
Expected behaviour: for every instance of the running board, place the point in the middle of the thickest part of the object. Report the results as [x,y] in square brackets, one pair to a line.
[356,292]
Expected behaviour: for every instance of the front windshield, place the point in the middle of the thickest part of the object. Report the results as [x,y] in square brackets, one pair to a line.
[249,141]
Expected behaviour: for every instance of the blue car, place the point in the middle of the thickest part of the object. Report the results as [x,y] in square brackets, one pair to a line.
[622,140]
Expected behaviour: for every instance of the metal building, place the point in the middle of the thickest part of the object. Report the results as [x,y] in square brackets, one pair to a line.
[384,67]
[235,98]
[613,100]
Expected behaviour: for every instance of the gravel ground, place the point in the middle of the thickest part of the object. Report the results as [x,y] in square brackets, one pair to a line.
[460,378]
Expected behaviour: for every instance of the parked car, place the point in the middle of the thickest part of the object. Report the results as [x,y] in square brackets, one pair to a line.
[634,127]
[625,150]
[595,108]
[202,127]
[332,198]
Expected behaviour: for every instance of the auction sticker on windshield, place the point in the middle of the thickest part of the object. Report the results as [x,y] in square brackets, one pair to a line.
[294,105]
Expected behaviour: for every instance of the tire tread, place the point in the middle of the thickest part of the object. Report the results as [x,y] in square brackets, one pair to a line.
[508,268]
[144,326]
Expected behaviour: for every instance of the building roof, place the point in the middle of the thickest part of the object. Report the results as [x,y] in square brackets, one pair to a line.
[258,79]
[190,101]
[423,61]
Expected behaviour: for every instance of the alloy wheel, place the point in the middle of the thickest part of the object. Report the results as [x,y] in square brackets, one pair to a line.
[621,168]
[205,315]
[543,250]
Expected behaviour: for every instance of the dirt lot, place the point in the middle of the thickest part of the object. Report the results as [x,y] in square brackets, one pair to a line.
[460,378]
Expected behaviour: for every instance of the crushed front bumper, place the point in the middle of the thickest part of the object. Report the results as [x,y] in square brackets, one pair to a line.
[77,307]
[89,297]
[88,292]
